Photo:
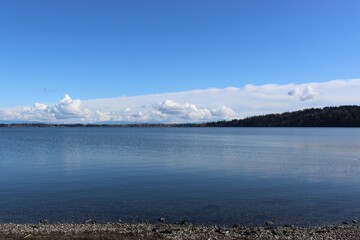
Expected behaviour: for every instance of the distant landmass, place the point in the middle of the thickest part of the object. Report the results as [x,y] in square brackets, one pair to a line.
[343,116]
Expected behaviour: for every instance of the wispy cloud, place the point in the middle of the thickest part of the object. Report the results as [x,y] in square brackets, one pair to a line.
[193,106]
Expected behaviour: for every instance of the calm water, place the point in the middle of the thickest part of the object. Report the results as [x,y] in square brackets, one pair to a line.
[203,175]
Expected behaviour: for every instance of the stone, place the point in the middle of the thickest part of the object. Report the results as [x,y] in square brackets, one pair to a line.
[90,221]
[269,223]
[44,221]
[286,232]
[276,231]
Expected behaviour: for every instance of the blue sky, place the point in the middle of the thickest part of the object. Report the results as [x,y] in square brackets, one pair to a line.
[101,49]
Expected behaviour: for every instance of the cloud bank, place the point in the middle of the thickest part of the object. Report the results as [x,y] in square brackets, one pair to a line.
[192,106]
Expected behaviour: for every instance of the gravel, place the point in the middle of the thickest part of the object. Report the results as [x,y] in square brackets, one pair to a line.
[172,231]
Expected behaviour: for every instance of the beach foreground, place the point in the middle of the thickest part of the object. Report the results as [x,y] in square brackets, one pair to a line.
[172,231]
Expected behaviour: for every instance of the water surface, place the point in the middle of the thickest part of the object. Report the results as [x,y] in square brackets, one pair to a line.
[225,176]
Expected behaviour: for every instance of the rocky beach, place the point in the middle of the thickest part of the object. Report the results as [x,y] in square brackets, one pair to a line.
[182,230]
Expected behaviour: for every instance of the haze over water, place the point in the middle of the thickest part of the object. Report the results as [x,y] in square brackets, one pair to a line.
[225,176]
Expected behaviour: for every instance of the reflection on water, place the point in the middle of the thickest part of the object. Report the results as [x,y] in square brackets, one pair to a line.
[204,175]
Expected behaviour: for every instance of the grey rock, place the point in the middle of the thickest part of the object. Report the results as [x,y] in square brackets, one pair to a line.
[269,223]
[90,221]
[44,221]
[286,232]
[276,231]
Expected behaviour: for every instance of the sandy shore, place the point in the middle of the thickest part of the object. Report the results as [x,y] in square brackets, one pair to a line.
[172,231]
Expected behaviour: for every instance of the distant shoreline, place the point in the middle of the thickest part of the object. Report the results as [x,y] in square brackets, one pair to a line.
[173,231]
[342,116]
[34,125]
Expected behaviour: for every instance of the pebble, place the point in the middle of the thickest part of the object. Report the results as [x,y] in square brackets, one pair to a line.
[269,223]
[276,231]
[44,221]
[90,221]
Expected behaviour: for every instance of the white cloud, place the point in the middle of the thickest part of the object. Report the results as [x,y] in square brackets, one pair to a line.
[194,106]
[68,108]
[8,115]
[40,106]
[303,93]
[184,111]
[103,116]
[223,112]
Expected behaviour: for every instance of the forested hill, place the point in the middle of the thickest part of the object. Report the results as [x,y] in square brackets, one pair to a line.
[343,116]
